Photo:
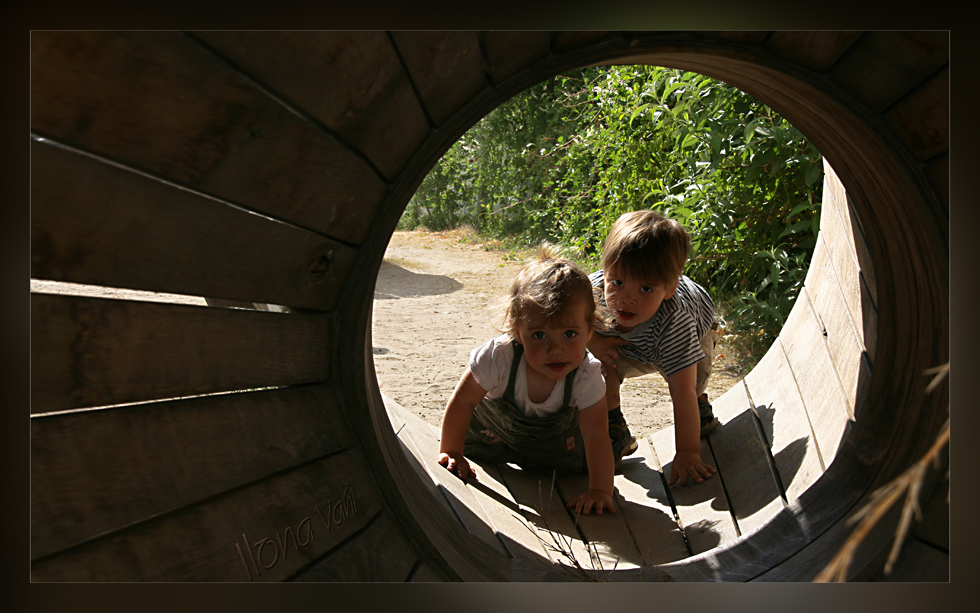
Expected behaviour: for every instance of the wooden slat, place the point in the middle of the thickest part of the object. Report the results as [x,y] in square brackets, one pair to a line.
[427,574]
[510,51]
[543,509]
[157,101]
[743,466]
[642,499]
[702,508]
[922,119]
[92,352]
[235,537]
[425,448]
[842,238]
[784,422]
[569,40]
[380,553]
[446,67]
[826,294]
[815,376]
[901,61]
[166,455]
[918,562]
[95,223]
[934,526]
[499,505]
[816,50]
[609,533]
[367,100]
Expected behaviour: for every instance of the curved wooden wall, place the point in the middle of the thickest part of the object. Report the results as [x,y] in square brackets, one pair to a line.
[272,168]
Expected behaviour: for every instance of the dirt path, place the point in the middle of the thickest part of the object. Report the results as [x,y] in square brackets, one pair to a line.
[430,311]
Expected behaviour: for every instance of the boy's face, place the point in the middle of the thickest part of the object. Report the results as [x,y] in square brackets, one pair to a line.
[555,348]
[633,301]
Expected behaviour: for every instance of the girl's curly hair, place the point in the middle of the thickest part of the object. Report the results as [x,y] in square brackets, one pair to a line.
[549,286]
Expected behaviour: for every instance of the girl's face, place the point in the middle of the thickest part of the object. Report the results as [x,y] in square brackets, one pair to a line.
[555,348]
[633,301]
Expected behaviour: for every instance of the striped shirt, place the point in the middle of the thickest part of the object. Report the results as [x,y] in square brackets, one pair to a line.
[671,339]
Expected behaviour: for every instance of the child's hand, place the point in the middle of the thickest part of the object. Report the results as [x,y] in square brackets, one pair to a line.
[457,465]
[604,349]
[596,499]
[688,464]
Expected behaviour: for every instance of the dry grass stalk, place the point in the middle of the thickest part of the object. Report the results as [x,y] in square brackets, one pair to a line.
[908,483]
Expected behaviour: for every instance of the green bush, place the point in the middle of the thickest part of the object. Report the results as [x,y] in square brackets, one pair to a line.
[563,159]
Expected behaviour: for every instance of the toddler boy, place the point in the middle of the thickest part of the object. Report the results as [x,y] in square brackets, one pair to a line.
[663,322]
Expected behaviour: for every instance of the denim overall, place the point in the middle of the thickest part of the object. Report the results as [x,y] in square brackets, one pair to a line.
[552,442]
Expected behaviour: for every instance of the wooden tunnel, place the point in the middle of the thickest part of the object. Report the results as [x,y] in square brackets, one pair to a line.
[175,442]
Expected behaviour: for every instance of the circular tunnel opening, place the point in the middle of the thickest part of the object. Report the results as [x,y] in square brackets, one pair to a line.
[867,161]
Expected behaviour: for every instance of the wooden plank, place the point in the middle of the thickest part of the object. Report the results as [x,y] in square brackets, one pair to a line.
[816,50]
[843,239]
[427,574]
[920,563]
[883,66]
[820,389]
[784,422]
[380,553]
[827,296]
[934,526]
[610,534]
[159,102]
[643,501]
[95,223]
[702,509]
[446,67]
[921,120]
[743,467]
[368,100]
[520,539]
[749,38]
[425,447]
[88,352]
[267,531]
[569,40]
[166,455]
[544,511]
[510,51]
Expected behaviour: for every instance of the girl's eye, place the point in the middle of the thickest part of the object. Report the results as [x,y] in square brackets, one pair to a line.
[570,333]
[616,282]
[538,335]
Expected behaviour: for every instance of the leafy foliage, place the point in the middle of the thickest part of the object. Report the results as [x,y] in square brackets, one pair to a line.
[563,159]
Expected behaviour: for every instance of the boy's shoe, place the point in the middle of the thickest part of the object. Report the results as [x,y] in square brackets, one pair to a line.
[708,420]
[623,442]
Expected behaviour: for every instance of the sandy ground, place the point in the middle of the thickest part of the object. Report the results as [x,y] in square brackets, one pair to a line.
[431,309]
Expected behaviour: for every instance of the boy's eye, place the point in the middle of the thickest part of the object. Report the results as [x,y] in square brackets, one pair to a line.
[646,289]
[570,333]
[538,335]
[615,282]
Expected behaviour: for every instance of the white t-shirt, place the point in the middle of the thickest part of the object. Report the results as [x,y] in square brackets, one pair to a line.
[490,365]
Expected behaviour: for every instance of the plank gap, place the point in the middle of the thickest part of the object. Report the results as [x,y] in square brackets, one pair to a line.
[767,444]
[298,575]
[289,106]
[724,489]
[47,140]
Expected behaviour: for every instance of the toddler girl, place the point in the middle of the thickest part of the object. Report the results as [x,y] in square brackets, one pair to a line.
[535,396]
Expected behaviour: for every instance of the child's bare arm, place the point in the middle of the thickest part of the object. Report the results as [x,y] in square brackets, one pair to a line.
[687,429]
[594,424]
[456,420]
[604,348]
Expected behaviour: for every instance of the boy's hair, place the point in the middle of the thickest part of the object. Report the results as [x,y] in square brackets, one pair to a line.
[646,245]
[549,285]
